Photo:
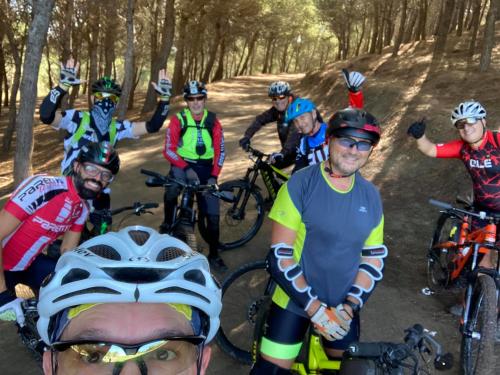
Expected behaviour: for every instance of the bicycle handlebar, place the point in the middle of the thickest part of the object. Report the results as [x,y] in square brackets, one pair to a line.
[392,354]
[483,215]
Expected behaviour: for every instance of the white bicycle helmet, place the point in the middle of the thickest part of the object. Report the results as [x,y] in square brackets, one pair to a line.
[136,264]
[279,88]
[470,108]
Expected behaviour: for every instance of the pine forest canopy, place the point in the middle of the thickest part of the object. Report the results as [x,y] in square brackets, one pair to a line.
[207,40]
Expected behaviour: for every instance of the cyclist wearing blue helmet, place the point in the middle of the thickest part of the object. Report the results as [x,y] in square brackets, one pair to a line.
[313,146]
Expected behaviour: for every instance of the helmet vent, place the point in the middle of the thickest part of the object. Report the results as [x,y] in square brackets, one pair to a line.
[76,274]
[95,290]
[183,291]
[105,251]
[134,275]
[139,236]
[195,276]
[169,253]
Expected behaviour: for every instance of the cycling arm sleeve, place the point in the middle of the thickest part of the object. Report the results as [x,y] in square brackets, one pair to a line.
[356,99]
[288,275]
[219,148]
[50,104]
[369,274]
[159,117]
[172,139]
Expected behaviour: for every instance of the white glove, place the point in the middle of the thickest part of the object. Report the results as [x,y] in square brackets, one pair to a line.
[12,309]
[332,323]
[275,157]
[68,74]
[353,80]
[164,86]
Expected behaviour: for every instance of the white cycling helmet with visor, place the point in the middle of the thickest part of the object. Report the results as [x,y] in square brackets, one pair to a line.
[470,109]
[136,265]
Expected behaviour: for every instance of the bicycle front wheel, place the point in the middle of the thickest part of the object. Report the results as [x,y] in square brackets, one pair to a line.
[439,258]
[243,295]
[240,219]
[477,355]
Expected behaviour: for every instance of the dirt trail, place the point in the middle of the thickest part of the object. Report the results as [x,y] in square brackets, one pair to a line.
[396,304]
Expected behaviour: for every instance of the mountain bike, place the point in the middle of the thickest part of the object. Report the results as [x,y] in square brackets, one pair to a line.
[185,215]
[244,215]
[460,253]
[246,300]
[28,331]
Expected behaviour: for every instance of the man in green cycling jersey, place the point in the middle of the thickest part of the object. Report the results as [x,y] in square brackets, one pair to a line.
[194,146]
[327,252]
[131,302]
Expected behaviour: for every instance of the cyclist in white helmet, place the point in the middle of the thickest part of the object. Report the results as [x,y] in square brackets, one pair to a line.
[132,302]
[479,149]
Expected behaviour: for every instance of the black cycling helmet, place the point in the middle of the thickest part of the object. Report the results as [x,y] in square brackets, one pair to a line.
[194,87]
[102,154]
[352,122]
[106,84]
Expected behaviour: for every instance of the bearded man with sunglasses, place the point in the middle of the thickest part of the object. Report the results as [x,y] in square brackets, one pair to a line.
[194,146]
[152,308]
[39,211]
[327,253]
[478,148]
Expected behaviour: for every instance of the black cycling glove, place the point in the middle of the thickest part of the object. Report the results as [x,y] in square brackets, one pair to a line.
[417,129]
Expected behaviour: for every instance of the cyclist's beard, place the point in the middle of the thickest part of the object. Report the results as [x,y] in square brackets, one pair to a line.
[84,192]
[102,113]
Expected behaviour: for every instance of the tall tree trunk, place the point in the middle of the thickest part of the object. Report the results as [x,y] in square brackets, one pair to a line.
[213,52]
[442,30]
[460,17]
[110,18]
[375,29]
[219,73]
[269,42]
[361,37]
[401,31]
[251,47]
[42,10]
[49,66]
[2,70]
[161,58]
[14,50]
[489,36]
[178,79]
[476,14]
[128,80]
[93,37]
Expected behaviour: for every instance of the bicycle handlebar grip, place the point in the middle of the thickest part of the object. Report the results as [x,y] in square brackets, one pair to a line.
[366,349]
[151,173]
[414,335]
[150,205]
[437,203]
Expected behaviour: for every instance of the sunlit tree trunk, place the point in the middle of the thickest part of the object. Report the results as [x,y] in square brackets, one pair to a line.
[128,80]
[489,36]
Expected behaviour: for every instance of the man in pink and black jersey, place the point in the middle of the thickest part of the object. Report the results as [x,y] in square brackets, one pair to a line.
[39,211]
[479,149]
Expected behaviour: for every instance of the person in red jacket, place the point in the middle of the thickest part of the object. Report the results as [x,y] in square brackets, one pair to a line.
[194,146]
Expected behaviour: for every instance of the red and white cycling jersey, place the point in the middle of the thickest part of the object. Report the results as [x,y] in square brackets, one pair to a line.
[47,207]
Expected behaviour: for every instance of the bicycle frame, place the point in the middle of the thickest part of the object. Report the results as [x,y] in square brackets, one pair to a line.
[317,360]
[273,177]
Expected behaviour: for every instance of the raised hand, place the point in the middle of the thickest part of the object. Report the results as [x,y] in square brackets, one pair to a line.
[164,85]
[68,74]
[353,80]
[417,129]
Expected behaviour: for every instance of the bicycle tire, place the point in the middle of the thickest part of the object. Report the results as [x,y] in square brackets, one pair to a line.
[477,354]
[243,292]
[237,231]
[185,233]
[439,258]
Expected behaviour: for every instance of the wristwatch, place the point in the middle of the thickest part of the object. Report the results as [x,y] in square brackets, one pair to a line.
[354,306]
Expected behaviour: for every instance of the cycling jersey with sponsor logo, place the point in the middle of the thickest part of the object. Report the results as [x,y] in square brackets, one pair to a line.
[483,165]
[332,228]
[47,208]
